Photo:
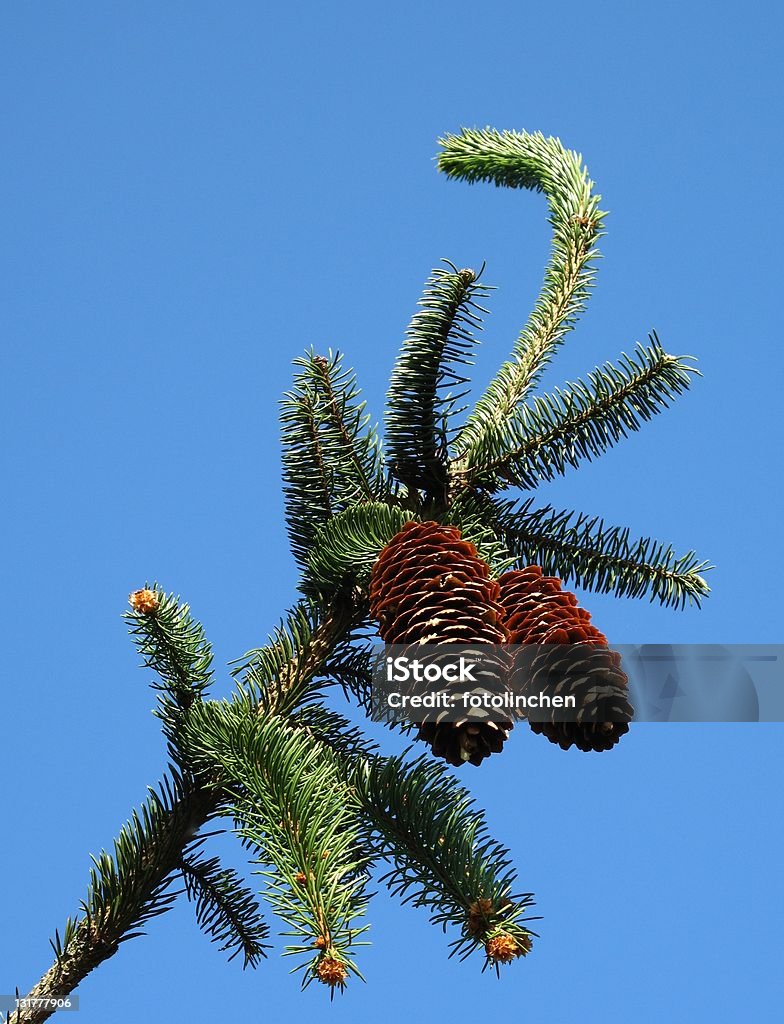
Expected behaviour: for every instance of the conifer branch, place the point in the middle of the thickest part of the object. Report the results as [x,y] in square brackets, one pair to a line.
[469,513]
[172,643]
[275,678]
[323,724]
[443,858]
[420,400]
[309,794]
[347,546]
[127,888]
[597,557]
[351,664]
[541,440]
[522,160]
[307,483]
[361,451]
[225,910]
[331,458]
[294,808]
[134,886]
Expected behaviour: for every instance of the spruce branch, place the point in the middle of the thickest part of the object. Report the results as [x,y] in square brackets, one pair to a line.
[267,674]
[225,910]
[522,160]
[469,513]
[331,458]
[275,678]
[605,559]
[327,726]
[442,856]
[294,808]
[362,470]
[127,888]
[350,666]
[542,439]
[307,481]
[309,795]
[172,643]
[421,396]
[346,547]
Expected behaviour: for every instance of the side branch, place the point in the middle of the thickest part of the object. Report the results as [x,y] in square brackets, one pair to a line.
[602,558]
[125,891]
[300,670]
[532,161]
[365,485]
[555,431]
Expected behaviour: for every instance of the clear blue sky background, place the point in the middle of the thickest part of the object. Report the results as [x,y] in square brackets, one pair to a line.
[195,192]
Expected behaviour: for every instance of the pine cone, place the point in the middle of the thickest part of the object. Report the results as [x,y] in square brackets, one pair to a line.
[430,587]
[574,660]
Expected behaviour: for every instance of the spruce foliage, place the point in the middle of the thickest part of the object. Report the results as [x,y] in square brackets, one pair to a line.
[319,809]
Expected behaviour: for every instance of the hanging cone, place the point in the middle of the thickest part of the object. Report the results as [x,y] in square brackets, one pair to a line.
[538,611]
[430,587]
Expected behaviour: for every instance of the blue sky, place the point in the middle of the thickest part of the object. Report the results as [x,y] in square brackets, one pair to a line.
[193,194]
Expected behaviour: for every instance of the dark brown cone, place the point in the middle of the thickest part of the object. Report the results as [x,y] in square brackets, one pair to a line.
[429,586]
[538,611]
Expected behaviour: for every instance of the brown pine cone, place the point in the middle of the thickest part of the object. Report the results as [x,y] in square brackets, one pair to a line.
[574,660]
[429,586]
